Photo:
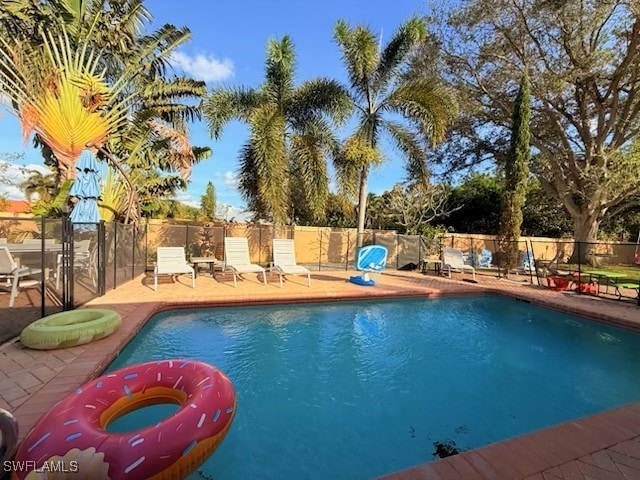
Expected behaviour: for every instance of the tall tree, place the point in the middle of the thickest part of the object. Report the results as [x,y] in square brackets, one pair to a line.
[381,95]
[516,171]
[155,136]
[59,92]
[43,185]
[584,66]
[290,135]
[208,202]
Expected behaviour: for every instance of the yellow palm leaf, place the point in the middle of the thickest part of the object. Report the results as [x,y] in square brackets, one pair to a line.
[76,107]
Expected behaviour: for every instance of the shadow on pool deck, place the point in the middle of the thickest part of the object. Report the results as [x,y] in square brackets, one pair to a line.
[32,381]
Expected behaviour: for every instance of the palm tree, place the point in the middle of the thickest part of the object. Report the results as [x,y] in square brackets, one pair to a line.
[290,134]
[42,185]
[60,93]
[382,96]
[155,136]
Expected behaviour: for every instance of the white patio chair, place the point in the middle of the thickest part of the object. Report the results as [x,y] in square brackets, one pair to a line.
[172,261]
[452,259]
[10,271]
[236,258]
[81,259]
[284,260]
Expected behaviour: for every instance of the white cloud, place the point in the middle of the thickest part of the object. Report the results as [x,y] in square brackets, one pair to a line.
[204,67]
[5,103]
[187,199]
[12,175]
[230,180]
[229,212]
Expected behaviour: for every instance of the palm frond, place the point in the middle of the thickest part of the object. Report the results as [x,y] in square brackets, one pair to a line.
[201,153]
[309,168]
[359,48]
[280,65]
[153,52]
[178,149]
[320,96]
[270,159]
[427,103]
[113,197]
[224,104]
[248,183]
[412,146]
[397,50]
[176,88]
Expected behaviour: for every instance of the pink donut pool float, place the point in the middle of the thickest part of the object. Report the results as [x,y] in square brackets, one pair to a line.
[71,437]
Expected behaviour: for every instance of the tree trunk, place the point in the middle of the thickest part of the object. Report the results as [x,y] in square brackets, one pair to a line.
[362,204]
[585,229]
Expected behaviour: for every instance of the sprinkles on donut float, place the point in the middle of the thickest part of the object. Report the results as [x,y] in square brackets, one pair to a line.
[72,433]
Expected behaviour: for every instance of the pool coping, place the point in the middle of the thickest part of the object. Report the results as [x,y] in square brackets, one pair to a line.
[522,456]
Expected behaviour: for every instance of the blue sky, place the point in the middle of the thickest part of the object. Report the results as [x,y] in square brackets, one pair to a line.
[228,48]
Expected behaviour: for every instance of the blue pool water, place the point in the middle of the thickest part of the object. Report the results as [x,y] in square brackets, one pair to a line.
[357,390]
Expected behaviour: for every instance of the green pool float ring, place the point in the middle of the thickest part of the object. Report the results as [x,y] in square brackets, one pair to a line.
[68,329]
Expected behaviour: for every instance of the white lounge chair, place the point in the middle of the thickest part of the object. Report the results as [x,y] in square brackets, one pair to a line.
[172,261]
[284,260]
[10,271]
[236,258]
[452,259]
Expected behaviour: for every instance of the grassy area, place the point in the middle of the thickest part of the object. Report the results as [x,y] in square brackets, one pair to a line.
[630,271]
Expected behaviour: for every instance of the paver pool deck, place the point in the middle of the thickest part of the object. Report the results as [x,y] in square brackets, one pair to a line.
[601,446]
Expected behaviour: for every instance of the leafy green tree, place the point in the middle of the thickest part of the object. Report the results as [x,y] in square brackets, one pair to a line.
[476,203]
[583,64]
[382,96]
[516,171]
[341,212]
[290,135]
[43,185]
[208,202]
[377,215]
[544,215]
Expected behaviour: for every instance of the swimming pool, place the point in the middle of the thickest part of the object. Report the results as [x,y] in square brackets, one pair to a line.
[357,390]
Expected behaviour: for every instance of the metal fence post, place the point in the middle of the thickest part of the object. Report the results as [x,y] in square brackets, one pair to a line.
[42,260]
[320,252]
[102,248]
[533,262]
[115,258]
[397,244]
[500,257]
[579,268]
[134,244]
[260,242]
[346,262]
[146,245]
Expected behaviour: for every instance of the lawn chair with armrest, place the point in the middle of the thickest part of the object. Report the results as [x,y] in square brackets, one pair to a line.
[453,259]
[14,274]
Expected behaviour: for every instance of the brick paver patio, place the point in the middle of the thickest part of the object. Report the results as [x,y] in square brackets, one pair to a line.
[602,446]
